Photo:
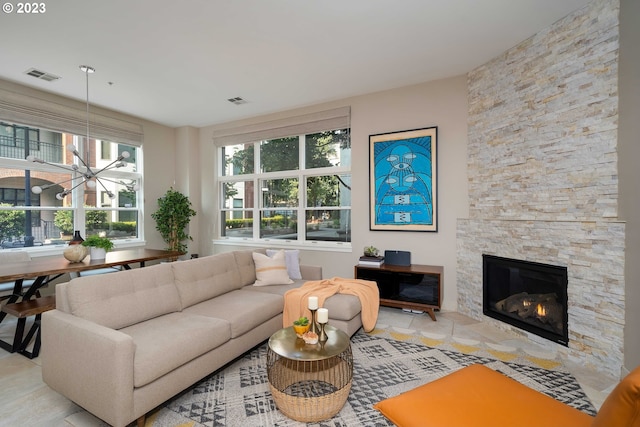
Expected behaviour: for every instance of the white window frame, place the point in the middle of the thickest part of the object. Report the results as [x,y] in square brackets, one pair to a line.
[301,174]
[77,196]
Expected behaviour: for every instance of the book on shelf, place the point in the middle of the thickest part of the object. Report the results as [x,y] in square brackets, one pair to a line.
[372,258]
[370,264]
[371,261]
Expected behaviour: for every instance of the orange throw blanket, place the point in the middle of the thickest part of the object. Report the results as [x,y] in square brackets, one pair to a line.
[296,300]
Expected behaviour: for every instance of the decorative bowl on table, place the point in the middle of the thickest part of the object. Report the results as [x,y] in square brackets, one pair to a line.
[75,253]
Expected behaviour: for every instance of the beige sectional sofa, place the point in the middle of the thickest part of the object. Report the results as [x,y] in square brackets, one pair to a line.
[121,344]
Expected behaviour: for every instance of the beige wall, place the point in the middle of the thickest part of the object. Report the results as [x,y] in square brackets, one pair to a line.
[188,180]
[629,173]
[440,103]
[159,174]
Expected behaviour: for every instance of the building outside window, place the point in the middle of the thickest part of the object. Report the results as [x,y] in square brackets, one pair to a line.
[294,189]
[29,218]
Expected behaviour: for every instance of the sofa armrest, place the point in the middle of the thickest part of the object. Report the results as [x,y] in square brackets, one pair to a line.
[90,364]
[311,272]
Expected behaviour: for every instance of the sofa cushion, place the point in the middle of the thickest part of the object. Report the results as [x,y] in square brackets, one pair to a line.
[244,310]
[271,270]
[275,289]
[121,299]
[291,260]
[343,306]
[167,342]
[203,278]
[246,267]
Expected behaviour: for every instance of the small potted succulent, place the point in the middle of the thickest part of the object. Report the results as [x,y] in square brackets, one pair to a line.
[370,251]
[301,326]
[99,246]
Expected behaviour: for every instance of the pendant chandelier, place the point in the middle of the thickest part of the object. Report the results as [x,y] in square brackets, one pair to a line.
[87,176]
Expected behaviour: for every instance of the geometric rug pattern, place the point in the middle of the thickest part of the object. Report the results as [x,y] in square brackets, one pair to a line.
[387,362]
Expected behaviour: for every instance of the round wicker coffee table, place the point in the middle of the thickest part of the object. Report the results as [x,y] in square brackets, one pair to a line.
[309,382]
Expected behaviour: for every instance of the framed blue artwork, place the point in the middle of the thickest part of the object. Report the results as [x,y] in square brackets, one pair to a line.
[402,181]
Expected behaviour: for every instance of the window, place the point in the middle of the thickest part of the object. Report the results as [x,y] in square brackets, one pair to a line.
[105,150]
[297,187]
[28,218]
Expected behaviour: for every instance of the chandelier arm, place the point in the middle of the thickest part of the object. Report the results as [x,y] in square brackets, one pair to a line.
[77,155]
[109,193]
[77,185]
[65,167]
[111,165]
[130,187]
[108,180]
[47,186]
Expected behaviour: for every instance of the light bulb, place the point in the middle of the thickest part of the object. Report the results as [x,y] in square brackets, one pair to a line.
[71,148]
[59,196]
[111,195]
[31,158]
[125,154]
[136,187]
[91,184]
[36,189]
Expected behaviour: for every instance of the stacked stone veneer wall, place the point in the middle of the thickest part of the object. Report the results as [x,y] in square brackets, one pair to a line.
[542,168]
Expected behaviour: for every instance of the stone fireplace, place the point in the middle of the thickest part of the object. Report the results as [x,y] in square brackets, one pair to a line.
[543,178]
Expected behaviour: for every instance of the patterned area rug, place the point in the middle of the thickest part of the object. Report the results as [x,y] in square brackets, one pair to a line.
[386,363]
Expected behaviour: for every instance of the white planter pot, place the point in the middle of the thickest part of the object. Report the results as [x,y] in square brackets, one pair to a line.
[97,253]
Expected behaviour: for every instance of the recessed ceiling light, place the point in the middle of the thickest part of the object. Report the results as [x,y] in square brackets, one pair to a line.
[42,75]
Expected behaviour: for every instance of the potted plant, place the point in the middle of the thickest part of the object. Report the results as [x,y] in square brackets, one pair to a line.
[172,218]
[370,251]
[64,221]
[99,246]
[301,326]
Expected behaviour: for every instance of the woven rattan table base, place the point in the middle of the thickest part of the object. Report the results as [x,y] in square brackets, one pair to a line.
[310,391]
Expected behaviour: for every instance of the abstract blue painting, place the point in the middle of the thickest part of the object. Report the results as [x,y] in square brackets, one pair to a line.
[403,180]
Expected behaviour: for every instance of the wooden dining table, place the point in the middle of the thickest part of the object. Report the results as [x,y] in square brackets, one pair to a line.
[45,269]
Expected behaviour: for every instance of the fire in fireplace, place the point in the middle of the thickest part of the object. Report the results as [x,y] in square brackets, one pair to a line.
[528,295]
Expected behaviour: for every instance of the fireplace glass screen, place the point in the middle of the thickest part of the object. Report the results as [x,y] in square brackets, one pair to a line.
[527,295]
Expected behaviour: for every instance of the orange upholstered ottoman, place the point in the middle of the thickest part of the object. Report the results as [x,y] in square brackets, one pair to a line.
[477,396]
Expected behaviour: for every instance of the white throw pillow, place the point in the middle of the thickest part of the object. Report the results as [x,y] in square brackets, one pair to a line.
[271,270]
[292,260]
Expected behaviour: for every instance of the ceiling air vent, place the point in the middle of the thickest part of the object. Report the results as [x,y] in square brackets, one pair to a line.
[237,100]
[41,75]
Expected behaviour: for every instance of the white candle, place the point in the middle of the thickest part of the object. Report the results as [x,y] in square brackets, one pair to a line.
[323,315]
[313,303]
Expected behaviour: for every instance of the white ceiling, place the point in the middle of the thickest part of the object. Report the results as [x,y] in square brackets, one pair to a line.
[177,62]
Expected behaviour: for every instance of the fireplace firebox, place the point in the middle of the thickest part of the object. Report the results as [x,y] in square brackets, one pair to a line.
[528,295]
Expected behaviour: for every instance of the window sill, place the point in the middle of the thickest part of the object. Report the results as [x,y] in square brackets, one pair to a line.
[52,250]
[307,246]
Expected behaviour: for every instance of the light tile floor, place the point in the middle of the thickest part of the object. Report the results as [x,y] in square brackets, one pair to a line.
[26,401]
